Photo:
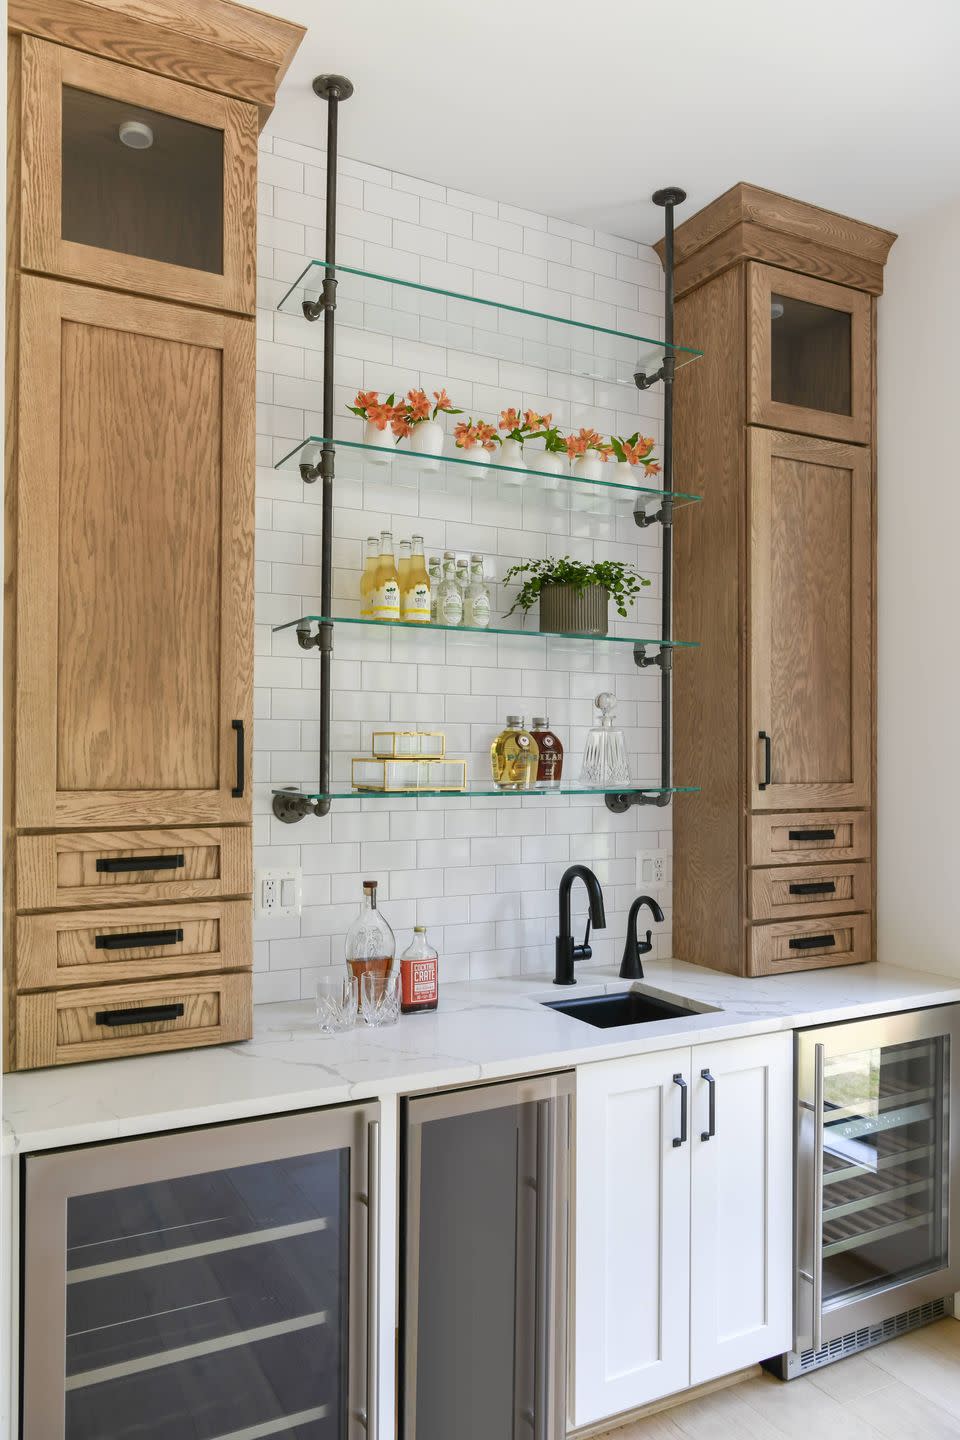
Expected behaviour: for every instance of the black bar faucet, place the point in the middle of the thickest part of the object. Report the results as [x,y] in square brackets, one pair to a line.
[631,966]
[567,952]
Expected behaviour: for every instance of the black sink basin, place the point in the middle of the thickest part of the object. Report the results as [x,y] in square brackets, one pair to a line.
[626,1007]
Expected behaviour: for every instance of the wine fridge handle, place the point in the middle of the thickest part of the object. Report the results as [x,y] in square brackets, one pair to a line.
[373,1279]
[817,1258]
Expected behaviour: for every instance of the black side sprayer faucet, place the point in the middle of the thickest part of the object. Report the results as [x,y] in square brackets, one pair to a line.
[567,952]
[631,966]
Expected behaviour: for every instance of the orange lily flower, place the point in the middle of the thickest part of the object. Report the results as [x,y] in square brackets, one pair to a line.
[419,404]
[366,398]
[509,420]
[380,415]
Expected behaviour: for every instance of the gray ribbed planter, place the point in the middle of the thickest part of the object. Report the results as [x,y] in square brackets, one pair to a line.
[566,611]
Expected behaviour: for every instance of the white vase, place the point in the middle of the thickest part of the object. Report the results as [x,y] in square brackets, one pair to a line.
[476,455]
[588,467]
[550,464]
[378,440]
[427,439]
[511,455]
[623,473]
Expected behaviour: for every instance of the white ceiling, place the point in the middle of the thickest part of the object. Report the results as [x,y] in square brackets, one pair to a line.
[580,108]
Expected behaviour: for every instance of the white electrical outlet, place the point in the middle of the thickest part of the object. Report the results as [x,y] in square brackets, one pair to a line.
[651,869]
[279,893]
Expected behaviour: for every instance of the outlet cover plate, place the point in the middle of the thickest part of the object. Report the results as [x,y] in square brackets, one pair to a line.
[652,869]
[279,894]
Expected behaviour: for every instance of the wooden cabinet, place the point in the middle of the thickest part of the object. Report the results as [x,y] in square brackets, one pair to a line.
[663,1201]
[129,515]
[774,717]
[134,561]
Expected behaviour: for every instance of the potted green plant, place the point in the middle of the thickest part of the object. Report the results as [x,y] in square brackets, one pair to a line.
[574,597]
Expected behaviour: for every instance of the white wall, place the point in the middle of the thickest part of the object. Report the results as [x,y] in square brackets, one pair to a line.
[481,874]
[919,598]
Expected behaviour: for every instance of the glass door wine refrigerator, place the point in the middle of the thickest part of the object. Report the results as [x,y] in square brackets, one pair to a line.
[216,1284]
[876,1209]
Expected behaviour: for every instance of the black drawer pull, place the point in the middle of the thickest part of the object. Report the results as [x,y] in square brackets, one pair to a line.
[814,887]
[767,760]
[138,939]
[237,791]
[812,942]
[124,864]
[138,1017]
[812,834]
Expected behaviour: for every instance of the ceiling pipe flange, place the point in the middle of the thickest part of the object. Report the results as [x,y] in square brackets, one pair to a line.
[333,87]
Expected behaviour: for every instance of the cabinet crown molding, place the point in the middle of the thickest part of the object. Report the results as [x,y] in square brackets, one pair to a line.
[750,223]
[213,44]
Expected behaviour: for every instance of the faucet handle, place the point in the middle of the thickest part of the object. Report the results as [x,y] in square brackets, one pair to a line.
[584,952]
[645,946]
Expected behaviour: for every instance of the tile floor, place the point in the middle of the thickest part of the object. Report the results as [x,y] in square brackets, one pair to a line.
[908,1389]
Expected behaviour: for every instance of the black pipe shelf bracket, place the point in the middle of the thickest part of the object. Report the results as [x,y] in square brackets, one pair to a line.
[668,199]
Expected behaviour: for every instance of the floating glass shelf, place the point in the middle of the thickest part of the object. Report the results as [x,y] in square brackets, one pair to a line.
[406,311]
[446,473]
[485,630]
[482,788]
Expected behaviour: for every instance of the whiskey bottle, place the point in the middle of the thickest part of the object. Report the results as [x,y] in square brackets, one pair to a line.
[514,756]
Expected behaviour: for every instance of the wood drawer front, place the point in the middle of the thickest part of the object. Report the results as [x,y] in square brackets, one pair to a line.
[781,893]
[54,871]
[845,941]
[85,947]
[800,839]
[63,1027]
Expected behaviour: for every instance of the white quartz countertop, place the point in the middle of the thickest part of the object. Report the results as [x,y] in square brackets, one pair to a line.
[482,1031]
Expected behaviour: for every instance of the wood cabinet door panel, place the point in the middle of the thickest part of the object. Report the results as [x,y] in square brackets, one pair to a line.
[810,355]
[134,561]
[810,608]
[176,219]
[633,1235]
[741,1232]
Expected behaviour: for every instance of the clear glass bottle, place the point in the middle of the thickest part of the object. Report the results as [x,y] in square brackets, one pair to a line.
[403,570]
[416,592]
[418,974]
[369,576]
[550,765]
[463,577]
[386,589]
[434,574]
[514,756]
[370,945]
[605,760]
[476,605]
[449,597]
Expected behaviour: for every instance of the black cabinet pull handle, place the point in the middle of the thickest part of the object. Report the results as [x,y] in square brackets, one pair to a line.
[812,834]
[138,939]
[679,1080]
[237,791]
[811,942]
[712,1113]
[767,760]
[114,1018]
[814,887]
[123,864]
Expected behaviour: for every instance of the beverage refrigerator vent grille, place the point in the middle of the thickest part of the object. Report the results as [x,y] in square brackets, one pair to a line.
[788,1367]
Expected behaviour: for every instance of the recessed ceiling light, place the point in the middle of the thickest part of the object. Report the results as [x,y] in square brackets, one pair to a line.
[776,309]
[136,134]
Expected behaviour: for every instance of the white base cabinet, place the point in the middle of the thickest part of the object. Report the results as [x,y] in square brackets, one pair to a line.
[683,1237]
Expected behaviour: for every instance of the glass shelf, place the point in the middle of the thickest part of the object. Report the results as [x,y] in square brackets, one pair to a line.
[486,630]
[445,473]
[405,310]
[485,788]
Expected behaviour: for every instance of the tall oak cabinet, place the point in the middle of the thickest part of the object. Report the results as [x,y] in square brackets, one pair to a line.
[128,634]
[774,716]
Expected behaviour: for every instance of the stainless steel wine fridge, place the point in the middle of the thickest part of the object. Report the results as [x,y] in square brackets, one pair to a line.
[216,1283]
[485,1239]
[876,1206]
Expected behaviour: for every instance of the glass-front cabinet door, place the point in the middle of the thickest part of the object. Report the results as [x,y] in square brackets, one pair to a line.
[136,181]
[209,1284]
[810,355]
[875,1202]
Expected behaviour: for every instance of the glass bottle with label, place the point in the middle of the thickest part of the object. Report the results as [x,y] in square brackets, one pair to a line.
[434,574]
[463,578]
[415,591]
[476,608]
[514,757]
[550,764]
[449,597]
[403,570]
[386,590]
[418,974]
[370,944]
[369,576]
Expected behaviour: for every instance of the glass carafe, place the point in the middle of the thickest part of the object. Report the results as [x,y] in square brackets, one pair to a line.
[370,946]
[605,754]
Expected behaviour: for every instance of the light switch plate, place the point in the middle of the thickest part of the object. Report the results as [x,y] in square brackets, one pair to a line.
[651,869]
[279,893]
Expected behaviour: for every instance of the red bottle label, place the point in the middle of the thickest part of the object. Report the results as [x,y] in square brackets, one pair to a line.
[418,983]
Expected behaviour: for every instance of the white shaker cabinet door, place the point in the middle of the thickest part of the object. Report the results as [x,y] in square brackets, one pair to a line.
[741,1204]
[632,1234]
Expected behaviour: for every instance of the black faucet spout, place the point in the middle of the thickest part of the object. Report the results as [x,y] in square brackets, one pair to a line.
[631,966]
[567,953]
